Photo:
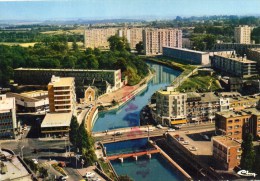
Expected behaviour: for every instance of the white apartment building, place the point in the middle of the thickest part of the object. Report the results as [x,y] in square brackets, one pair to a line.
[61,92]
[8,123]
[97,38]
[170,107]
[133,35]
[154,39]
[242,34]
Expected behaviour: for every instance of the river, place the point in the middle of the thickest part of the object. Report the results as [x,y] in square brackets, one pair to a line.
[128,115]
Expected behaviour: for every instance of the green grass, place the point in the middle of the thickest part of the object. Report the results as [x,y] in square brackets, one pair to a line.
[199,82]
[107,169]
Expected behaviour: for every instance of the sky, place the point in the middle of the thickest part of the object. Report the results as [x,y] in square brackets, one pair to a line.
[116,9]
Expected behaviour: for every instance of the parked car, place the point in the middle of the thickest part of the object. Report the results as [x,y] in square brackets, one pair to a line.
[150,129]
[35,161]
[171,130]
[181,139]
[117,134]
[62,178]
[159,126]
[90,174]
[193,148]
[185,143]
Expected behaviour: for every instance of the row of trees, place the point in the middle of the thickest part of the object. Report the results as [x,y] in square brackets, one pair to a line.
[82,141]
[250,158]
[57,54]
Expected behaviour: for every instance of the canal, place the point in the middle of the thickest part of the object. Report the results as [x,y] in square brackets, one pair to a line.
[128,115]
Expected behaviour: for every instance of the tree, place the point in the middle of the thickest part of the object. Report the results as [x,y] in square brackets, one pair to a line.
[117,43]
[74,126]
[124,178]
[75,46]
[257,160]
[248,153]
[43,172]
[139,47]
[210,41]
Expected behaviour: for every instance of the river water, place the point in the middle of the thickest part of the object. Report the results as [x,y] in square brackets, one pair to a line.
[128,115]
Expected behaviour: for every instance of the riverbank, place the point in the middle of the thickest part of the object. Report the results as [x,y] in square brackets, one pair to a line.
[123,95]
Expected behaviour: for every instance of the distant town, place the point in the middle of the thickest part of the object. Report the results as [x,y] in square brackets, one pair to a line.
[131,100]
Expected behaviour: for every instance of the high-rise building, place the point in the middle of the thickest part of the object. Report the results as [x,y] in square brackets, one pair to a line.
[133,35]
[97,38]
[8,122]
[61,92]
[171,107]
[243,34]
[154,39]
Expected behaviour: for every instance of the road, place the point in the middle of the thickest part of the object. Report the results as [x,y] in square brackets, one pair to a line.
[143,133]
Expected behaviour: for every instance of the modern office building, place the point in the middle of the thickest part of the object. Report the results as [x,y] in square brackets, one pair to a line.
[61,92]
[233,65]
[104,80]
[170,107]
[235,123]
[33,101]
[97,38]
[8,123]
[56,124]
[190,56]
[154,39]
[227,152]
[242,34]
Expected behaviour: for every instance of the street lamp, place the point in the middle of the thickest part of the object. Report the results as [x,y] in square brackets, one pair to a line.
[22,151]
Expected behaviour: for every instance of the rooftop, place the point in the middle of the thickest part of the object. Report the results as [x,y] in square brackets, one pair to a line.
[165,92]
[186,50]
[253,111]
[25,97]
[208,97]
[56,120]
[61,81]
[6,103]
[65,70]
[15,169]
[228,114]
[226,141]
[237,59]
[255,49]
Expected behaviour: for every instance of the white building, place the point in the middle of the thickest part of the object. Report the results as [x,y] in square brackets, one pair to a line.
[170,107]
[8,123]
[242,34]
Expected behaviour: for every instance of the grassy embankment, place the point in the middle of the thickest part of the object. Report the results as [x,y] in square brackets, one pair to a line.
[201,83]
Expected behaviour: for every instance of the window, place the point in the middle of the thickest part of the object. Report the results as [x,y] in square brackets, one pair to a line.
[230,121]
[238,157]
[239,150]
[237,120]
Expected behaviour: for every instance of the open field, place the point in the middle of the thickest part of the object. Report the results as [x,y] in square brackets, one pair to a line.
[21,44]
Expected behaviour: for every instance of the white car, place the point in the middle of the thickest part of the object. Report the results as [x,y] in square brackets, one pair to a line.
[185,143]
[35,161]
[171,130]
[90,174]
[159,126]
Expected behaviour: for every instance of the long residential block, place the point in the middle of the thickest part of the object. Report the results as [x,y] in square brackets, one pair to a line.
[190,56]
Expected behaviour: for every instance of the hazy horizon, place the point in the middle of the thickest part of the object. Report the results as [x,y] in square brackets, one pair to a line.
[125,9]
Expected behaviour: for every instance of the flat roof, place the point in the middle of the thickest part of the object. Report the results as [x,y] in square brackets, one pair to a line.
[62,81]
[253,111]
[208,96]
[65,70]
[186,50]
[226,141]
[228,114]
[165,92]
[237,59]
[56,120]
[25,98]
[6,103]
